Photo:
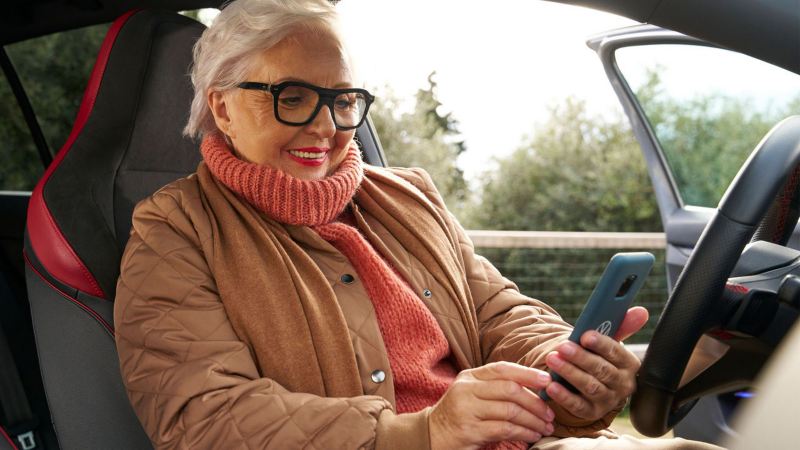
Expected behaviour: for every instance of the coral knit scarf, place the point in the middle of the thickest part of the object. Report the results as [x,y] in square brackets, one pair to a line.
[417,348]
[419,354]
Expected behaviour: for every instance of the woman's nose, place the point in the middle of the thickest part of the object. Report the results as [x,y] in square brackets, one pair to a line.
[323,125]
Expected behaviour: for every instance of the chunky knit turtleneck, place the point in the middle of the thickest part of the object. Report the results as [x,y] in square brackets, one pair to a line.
[281,196]
[418,352]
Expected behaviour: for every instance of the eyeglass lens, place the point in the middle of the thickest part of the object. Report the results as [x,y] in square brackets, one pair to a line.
[296,104]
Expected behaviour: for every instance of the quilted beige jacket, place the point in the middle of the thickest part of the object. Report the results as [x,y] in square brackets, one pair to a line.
[194,384]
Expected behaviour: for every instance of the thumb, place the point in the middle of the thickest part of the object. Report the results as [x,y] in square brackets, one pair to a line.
[635,319]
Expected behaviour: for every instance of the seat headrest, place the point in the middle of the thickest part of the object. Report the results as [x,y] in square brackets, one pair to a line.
[126,143]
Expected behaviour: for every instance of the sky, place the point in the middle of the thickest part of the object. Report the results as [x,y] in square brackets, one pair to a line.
[497,68]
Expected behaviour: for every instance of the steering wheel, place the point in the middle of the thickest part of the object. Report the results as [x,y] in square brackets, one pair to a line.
[695,305]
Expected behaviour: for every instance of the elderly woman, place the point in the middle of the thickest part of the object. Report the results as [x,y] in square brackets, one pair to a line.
[287,296]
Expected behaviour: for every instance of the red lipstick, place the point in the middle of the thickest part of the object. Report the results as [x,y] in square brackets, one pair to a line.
[309,156]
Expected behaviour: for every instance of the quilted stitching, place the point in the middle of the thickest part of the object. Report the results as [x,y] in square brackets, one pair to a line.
[192,382]
[497,300]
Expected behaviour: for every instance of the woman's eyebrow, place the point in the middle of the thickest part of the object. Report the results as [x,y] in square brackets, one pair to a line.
[339,85]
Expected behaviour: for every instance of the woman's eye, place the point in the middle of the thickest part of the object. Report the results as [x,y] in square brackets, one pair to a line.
[291,101]
[344,104]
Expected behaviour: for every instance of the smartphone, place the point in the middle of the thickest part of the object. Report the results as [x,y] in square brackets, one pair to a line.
[612,296]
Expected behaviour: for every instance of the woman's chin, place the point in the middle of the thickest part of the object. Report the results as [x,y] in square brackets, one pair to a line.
[309,173]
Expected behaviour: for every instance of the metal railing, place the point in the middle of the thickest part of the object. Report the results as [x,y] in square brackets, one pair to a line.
[566,239]
[562,268]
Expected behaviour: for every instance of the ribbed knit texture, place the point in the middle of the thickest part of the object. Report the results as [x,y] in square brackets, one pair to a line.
[418,351]
[419,354]
[283,197]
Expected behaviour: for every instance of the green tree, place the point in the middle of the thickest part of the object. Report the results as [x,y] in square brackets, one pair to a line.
[192,14]
[706,138]
[576,172]
[581,172]
[423,138]
[53,70]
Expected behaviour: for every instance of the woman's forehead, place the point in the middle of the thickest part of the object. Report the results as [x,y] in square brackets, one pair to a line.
[314,57]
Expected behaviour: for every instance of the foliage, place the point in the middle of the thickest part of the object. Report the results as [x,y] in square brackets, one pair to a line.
[54,86]
[564,278]
[21,166]
[706,138]
[192,14]
[423,138]
[577,172]
[580,172]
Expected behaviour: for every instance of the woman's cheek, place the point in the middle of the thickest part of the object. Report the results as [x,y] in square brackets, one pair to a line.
[345,139]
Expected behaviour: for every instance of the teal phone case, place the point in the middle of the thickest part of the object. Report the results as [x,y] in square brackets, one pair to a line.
[612,296]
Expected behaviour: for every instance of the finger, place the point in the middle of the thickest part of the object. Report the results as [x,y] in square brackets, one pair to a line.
[497,431]
[573,403]
[503,370]
[635,319]
[512,412]
[613,351]
[502,390]
[588,385]
[591,363]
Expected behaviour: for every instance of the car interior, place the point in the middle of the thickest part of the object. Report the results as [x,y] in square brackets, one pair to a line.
[112,158]
[60,245]
[78,221]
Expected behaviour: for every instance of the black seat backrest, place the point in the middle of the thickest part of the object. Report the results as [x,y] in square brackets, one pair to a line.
[125,144]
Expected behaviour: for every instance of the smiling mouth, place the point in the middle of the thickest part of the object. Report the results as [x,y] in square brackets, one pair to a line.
[310,156]
[307,154]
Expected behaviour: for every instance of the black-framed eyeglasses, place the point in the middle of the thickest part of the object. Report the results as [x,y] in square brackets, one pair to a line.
[297,103]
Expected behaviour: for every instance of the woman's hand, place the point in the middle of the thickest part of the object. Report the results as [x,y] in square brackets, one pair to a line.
[489,404]
[601,368]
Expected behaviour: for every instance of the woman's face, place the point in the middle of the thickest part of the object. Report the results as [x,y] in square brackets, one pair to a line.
[308,152]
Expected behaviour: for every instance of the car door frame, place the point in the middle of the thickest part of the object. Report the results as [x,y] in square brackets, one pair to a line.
[683,224]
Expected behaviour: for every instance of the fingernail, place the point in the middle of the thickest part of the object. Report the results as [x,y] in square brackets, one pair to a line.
[544,377]
[554,361]
[550,416]
[568,349]
[549,429]
[536,436]
[591,339]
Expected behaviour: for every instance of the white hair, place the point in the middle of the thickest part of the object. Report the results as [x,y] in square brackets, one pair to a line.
[244,28]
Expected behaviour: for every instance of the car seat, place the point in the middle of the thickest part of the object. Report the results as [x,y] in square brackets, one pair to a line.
[126,143]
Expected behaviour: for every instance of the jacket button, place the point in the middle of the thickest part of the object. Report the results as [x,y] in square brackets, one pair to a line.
[378,376]
[347,278]
[427,293]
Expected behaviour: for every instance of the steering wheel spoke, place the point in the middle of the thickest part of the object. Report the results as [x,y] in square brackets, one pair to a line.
[736,369]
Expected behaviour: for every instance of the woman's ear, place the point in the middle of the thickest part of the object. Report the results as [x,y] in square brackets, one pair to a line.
[217,102]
